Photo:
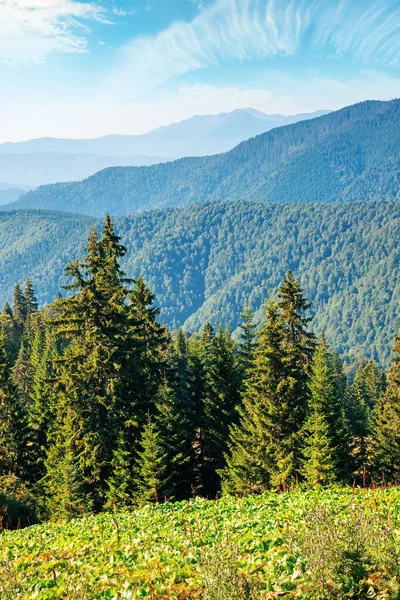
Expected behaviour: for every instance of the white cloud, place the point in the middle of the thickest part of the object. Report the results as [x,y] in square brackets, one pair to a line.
[240,30]
[32,29]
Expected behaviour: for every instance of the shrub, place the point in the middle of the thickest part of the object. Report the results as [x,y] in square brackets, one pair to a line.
[17,505]
[354,554]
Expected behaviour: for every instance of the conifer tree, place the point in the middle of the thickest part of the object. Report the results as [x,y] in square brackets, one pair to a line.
[120,483]
[21,371]
[65,478]
[173,424]
[30,303]
[220,406]
[297,347]
[247,340]
[14,437]
[387,431]
[320,466]
[19,307]
[319,448]
[362,408]
[147,346]
[150,464]
[251,459]
[44,354]
[93,324]
[7,310]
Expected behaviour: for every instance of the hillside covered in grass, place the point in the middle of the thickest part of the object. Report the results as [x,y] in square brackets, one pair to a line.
[202,549]
[203,261]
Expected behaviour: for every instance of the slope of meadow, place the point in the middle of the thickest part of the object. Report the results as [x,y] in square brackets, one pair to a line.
[281,544]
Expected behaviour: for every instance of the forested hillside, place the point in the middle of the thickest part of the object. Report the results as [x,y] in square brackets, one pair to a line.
[205,260]
[349,155]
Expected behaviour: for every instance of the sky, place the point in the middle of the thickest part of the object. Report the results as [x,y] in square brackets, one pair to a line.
[72,68]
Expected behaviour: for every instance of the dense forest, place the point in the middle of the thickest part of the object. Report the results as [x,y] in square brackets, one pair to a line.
[349,155]
[102,407]
[202,262]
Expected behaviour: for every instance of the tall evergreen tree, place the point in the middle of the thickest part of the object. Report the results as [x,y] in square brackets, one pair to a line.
[31,304]
[151,464]
[19,306]
[247,339]
[251,459]
[320,428]
[366,390]
[220,406]
[14,436]
[387,431]
[297,347]
[93,324]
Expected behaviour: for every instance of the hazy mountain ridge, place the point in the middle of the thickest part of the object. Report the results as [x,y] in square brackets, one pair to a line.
[343,156]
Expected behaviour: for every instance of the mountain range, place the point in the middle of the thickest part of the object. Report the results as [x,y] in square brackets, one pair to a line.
[50,160]
[349,155]
[204,260]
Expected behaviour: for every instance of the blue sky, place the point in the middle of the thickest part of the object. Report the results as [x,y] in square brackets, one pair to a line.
[77,68]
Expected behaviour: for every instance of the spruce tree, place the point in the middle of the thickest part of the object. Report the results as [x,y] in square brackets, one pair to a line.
[221,402]
[120,483]
[362,414]
[386,458]
[151,464]
[320,449]
[297,347]
[247,340]
[30,303]
[251,459]
[7,310]
[93,325]
[14,435]
[19,307]
[319,468]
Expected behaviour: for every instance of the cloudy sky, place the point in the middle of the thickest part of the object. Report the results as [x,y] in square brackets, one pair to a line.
[71,68]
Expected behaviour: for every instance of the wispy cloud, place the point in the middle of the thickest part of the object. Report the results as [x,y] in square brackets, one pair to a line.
[32,29]
[239,30]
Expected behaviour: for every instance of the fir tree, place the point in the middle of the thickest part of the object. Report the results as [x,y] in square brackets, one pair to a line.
[220,406]
[362,415]
[247,340]
[30,303]
[387,431]
[19,307]
[320,466]
[120,483]
[151,464]
[89,377]
[251,459]
[14,436]
[320,449]
[7,310]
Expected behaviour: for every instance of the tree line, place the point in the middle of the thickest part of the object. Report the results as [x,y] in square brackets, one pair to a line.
[102,407]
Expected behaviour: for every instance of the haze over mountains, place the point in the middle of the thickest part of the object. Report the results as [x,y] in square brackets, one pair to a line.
[352,154]
[319,197]
[51,160]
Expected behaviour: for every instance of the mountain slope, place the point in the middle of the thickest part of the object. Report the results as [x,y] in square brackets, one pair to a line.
[203,261]
[197,136]
[51,160]
[40,168]
[347,155]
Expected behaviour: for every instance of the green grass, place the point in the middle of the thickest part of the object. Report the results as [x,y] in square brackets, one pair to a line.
[160,551]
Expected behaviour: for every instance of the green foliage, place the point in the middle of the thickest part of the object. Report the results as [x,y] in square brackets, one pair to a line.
[156,551]
[387,430]
[202,262]
[151,464]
